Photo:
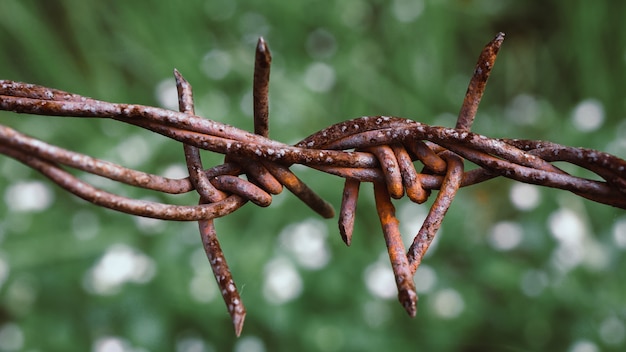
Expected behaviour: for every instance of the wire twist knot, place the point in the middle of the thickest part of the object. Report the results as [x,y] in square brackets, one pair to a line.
[377,149]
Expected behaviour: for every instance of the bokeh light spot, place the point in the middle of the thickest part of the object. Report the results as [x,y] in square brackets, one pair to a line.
[584,346]
[523,110]
[175,171]
[575,246]
[524,196]
[140,147]
[245,104]
[411,218]
[28,196]
[619,233]
[249,344]
[448,303]
[167,94]
[425,279]
[612,331]
[193,344]
[216,64]
[588,115]
[202,286]
[149,226]
[4,270]
[506,235]
[319,77]
[566,227]
[379,279]
[282,282]
[11,337]
[111,344]
[407,10]
[120,264]
[307,242]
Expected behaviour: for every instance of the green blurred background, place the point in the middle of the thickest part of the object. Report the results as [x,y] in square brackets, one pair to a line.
[514,268]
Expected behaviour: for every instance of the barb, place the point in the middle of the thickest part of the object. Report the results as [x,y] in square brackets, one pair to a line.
[208,193]
[477,84]
[385,152]
[260,91]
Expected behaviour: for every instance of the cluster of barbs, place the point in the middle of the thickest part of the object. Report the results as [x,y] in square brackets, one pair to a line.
[378,149]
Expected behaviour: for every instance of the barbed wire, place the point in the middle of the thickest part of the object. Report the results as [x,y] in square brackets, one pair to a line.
[377,149]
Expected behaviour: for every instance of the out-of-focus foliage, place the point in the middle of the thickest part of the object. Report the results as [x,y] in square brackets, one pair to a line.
[515,267]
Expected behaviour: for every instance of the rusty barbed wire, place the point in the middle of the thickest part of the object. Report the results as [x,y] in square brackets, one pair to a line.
[377,149]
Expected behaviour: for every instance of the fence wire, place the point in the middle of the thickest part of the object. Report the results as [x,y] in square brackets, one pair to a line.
[382,150]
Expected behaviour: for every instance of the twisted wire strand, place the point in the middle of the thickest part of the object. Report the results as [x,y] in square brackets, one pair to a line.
[377,149]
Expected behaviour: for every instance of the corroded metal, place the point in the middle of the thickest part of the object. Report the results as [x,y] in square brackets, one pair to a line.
[382,150]
[208,193]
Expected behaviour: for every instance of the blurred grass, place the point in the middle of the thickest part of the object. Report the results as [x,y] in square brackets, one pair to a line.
[403,58]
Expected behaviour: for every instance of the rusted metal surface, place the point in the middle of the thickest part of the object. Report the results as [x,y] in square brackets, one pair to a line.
[348,209]
[382,150]
[260,89]
[431,224]
[395,248]
[477,84]
[208,194]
